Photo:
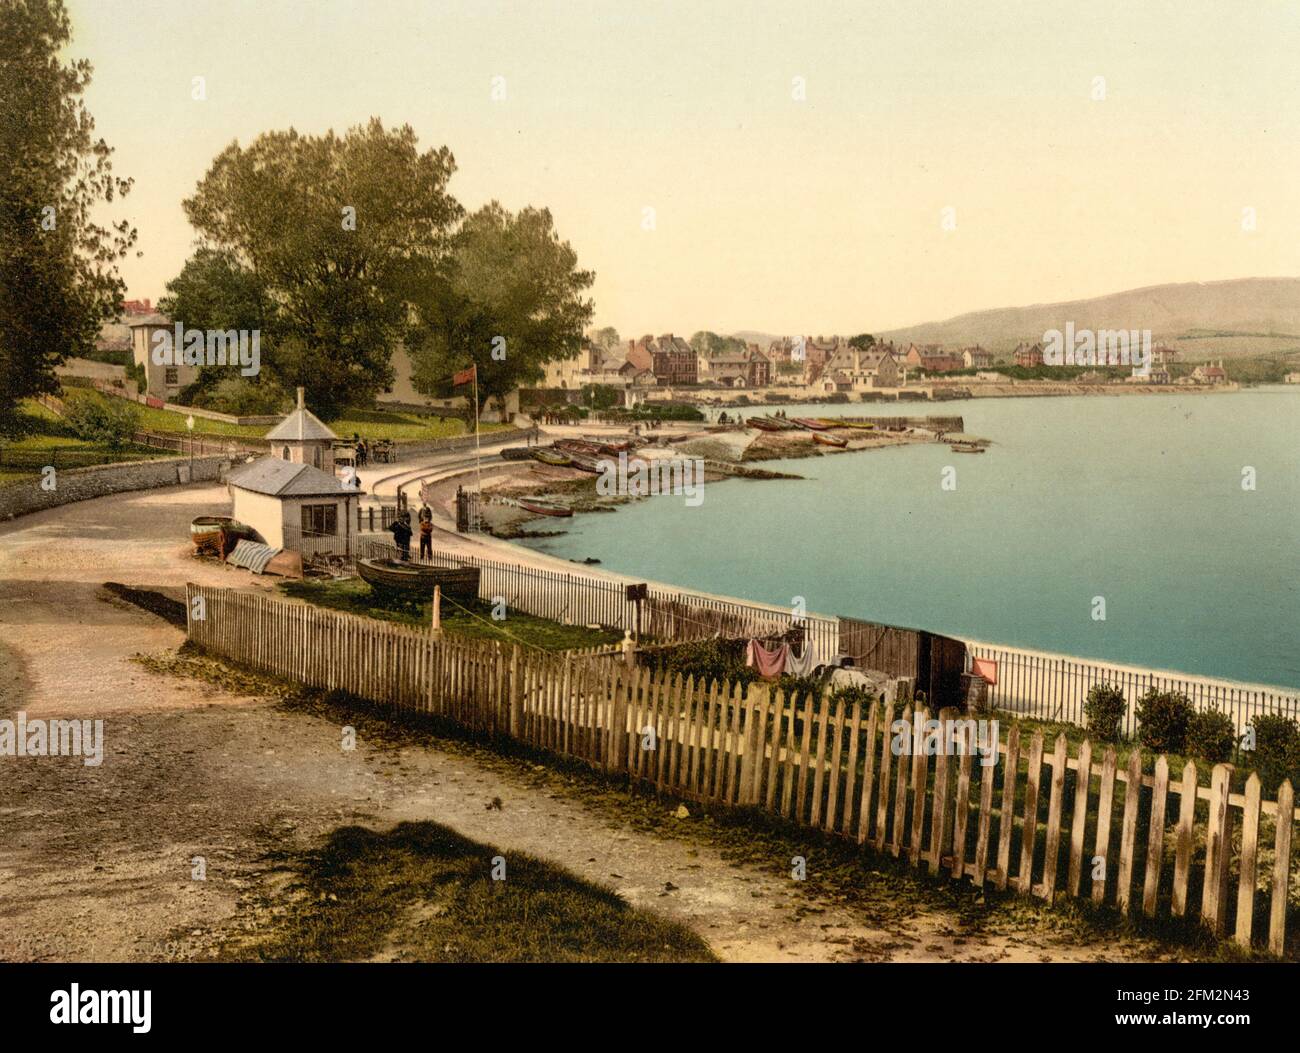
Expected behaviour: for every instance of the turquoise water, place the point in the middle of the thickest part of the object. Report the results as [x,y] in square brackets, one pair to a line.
[1135,499]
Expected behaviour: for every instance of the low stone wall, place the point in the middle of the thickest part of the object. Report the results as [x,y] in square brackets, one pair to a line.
[82,484]
[493,439]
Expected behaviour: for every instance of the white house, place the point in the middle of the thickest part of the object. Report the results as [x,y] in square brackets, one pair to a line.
[163,382]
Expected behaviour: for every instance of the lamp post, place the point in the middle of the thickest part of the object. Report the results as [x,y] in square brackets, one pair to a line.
[189,424]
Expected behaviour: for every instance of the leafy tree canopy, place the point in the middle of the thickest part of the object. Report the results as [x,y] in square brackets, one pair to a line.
[58,267]
[340,234]
[862,341]
[512,301]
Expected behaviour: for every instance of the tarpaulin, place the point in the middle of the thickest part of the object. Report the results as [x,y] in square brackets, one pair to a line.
[986,668]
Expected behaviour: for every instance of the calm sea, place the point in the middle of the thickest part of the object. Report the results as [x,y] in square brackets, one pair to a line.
[1138,500]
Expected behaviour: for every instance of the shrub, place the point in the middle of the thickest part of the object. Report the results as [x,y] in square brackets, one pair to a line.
[1276,755]
[110,421]
[1212,735]
[1104,710]
[708,660]
[1163,717]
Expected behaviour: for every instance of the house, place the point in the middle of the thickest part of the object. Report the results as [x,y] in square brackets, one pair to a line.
[1028,355]
[292,496]
[976,358]
[161,381]
[1164,356]
[1209,373]
[741,369]
[876,367]
[932,359]
[588,365]
[672,360]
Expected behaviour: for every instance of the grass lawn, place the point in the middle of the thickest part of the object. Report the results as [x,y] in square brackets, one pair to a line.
[470,620]
[49,441]
[369,424]
[423,892]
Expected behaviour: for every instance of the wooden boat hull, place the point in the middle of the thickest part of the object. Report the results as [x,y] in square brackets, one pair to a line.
[218,534]
[829,440]
[763,425]
[517,453]
[551,457]
[810,424]
[542,508]
[419,578]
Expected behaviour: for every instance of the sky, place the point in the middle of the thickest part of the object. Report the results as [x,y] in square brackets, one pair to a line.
[812,167]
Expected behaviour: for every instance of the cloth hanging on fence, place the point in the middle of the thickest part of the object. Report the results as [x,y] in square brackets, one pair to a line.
[800,665]
[769,664]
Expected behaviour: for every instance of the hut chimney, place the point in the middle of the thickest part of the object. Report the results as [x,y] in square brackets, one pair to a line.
[301,404]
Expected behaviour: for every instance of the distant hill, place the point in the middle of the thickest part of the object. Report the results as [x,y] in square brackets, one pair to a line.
[1242,316]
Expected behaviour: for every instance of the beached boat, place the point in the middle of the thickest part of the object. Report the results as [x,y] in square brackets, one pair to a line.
[401,576]
[840,422]
[580,446]
[549,456]
[542,507]
[219,534]
[586,463]
[965,447]
[762,424]
[829,440]
[811,424]
[517,453]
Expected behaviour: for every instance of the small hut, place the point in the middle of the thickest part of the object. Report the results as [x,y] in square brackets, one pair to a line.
[292,496]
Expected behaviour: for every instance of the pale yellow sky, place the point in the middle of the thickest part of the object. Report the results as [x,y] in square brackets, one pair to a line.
[821,215]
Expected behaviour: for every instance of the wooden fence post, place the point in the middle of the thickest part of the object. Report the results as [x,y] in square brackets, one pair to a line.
[1183,843]
[1029,832]
[1249,874]
[1281,869]
[1128,829]
[1218,849]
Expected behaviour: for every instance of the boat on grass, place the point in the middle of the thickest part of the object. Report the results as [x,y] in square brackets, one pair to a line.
[394,575]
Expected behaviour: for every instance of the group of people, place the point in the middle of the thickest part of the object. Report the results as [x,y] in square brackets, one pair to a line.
[366,450]
[402,533]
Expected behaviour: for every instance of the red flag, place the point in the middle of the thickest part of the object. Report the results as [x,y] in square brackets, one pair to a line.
[987,668]
[465,376]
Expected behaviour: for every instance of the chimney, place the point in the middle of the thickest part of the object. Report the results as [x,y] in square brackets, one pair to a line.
[301,404]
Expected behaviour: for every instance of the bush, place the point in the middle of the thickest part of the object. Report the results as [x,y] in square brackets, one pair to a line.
[1163,717]
[1104,710]
[707,660]
[1211,735]
[108,421]
[1276,755]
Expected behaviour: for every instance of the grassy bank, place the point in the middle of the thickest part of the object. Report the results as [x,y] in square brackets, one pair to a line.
[472,620]
[369,424]
[48,440]
[422,892]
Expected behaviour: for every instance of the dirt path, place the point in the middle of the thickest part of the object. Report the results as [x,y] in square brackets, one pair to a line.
[95,862]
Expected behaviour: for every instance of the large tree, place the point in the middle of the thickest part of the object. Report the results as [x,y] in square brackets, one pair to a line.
[341,233]
[213,291]
[511,302]
[58,267]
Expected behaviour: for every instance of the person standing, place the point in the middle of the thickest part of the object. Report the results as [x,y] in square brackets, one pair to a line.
[426,532]
[401,529]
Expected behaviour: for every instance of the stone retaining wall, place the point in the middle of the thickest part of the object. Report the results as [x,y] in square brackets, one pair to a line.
[82,484]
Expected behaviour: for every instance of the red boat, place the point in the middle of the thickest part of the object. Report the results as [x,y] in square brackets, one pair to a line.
[810,423]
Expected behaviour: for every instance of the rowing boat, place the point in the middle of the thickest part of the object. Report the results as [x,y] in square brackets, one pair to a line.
[549,456]
[540,506]
[517,453]
[207,533]
[840,422]
[811,424]
[400,576]
[829,440]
